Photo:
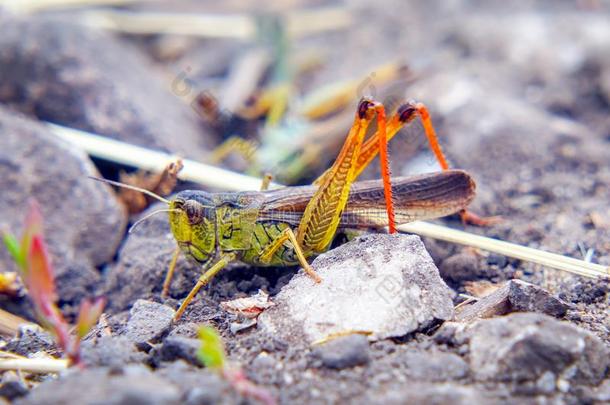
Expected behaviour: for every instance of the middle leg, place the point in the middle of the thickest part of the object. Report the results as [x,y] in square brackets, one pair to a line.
[288,235]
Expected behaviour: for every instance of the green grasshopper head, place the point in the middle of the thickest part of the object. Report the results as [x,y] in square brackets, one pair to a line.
[192,219]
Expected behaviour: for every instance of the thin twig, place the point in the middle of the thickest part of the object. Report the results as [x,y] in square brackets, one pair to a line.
[210,176]
[537,256]
[244,76]
[34,365]
[9,323]
[154,161]
[237,26]
[32,6]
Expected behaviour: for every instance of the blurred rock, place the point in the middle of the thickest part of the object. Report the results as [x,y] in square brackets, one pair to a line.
[78,213]
[385,284]
[199,386]
[62,72]
[526,297]
[451,334]
[513,296]
[344,352]
[601,393]
[12,386]
[177,347]
[148,321]
[110,351]
[134,384]
[534,347]
[460,267]
[186,330]
[130,385]
[31,339]
[433,366]
[423,393]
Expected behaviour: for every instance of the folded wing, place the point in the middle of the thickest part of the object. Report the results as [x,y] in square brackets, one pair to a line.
[415,198]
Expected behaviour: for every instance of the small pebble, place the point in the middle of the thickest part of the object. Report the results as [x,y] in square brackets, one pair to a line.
[498,260]
[177,347]
[344,352]
[147,322]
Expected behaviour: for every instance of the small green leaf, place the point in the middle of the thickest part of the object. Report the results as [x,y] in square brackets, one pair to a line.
[212,350]
[88,316]
[12,245]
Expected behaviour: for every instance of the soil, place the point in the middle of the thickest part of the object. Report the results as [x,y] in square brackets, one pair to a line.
[519,93]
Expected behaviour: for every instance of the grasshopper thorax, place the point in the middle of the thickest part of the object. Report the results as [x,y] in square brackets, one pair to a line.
[192,220]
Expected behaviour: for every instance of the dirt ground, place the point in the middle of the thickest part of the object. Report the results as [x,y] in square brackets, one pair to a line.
[519,93]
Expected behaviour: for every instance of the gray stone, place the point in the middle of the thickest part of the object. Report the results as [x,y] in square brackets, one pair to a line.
[177,347]
[344,352]
[460,267]
[431,394]
[199,386]
[13,386]
[12,390]
[187,330]
[83,221]
[265,361]
[525,346]
[514,296]
[383,284]
[148,321]
[526,297]
[451,334]
[96,386]
[52,69]
[435,366]
[601,393]
[110,351]
[31,339]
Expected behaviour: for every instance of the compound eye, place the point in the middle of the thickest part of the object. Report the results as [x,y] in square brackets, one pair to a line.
[194,211]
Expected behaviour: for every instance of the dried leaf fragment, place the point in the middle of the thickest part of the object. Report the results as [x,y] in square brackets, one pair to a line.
[159,183]
[250,307]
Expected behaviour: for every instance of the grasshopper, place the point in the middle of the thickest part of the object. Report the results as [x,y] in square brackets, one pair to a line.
[287,226]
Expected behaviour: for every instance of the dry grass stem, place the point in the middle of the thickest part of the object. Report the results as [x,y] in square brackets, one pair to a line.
[34,365]
[237,26]
[9,323]
[32,6]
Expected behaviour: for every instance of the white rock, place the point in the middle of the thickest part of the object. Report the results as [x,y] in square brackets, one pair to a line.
[384,284]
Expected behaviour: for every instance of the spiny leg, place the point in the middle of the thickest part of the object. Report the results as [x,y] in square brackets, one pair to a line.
[203,280]
[384,161]
[467,216]
[323,212]
[288,235]
[405,114]
[170,272]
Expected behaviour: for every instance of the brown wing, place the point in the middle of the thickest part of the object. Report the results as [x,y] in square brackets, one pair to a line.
[418,197]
